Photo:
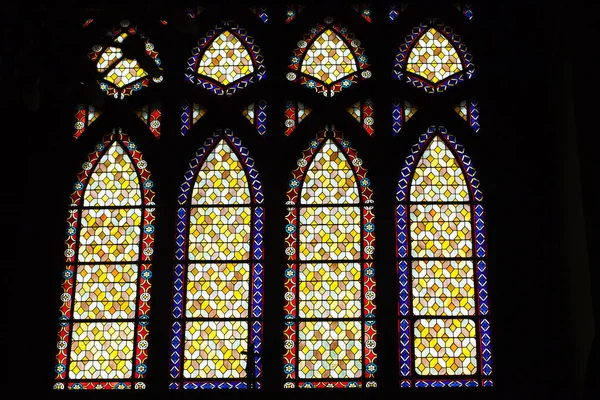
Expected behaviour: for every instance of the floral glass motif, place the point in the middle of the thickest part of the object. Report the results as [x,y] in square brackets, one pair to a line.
[328,59]
[330,332]
[443,307]
[225,60]
[102,340]
[433,58]
[218,291]
[122,76]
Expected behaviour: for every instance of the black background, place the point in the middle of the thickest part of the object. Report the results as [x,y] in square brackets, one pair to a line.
[535,157]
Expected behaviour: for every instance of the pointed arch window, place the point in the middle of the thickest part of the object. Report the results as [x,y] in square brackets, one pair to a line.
[433,58]
[330,333]
[328,59]
[121,75]
[102,340]
[225,60]
[443,307]
[218,286]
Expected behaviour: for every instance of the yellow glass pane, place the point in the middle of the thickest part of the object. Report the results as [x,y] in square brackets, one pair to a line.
[213,349]
[219,233]
[125,72]
[105,291]
[114,182]
[111,235]
[221,179]
[218,290]
[438,175]
[330,349]
[443,287]
[330,290]
[330,233]
[445,347]
[226,59]
[330,178]
[329,59]
[102,350]
[440,230]
[433,57]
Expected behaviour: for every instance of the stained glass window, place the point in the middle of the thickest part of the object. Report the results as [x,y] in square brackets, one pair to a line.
[328,59]
[442,267]
[102,340]
[121,75]
[330,334]
[225,60]
[433,58]
[218,288]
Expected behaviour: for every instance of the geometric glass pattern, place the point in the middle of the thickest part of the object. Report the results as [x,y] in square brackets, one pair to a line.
[443,307]
[328,59]
[190,114]
[84,116]
[330,332]
[225,60]
[151,115]
[121,76]
[401,112]
[102,340]
[433,58]
[469,111]
[295,112]
[217,305]
[256,113]
[364,10]
[362,111]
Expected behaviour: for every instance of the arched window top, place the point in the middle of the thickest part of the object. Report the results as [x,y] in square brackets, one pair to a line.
[330,178]
[106,287]
[438,150]
[442,268]
[330,329]
[225,60]
[433,58]
[114,181]
[328,59]
[222,168]
[121,74]
[222,179]
[218,287]
[438,175]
